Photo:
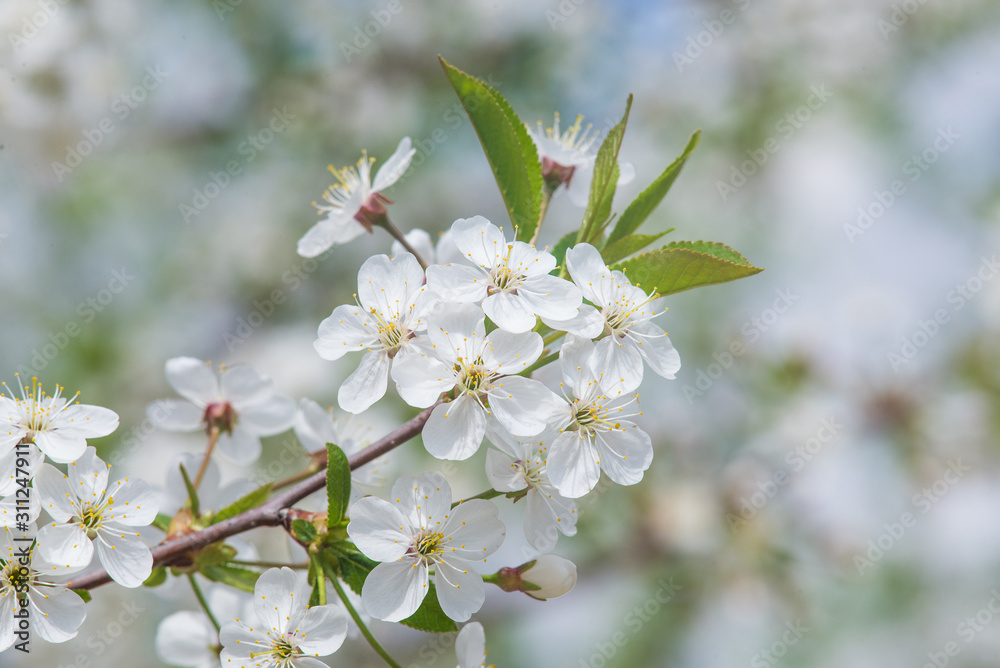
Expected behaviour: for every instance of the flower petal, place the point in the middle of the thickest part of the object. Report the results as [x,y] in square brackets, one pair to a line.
[509,353]
[425,500]
[60,446]
[60,613]
[242,446]
[314,425]
[479,240]
[509,312]
[88,476]
[184,639]
[367,384]
[455,430]
[656,349]
[322,630]
[132,503]
[193,379]
[473,531]
[55,493]
[346,330]
[175,415]
[572,464]
[458,282]
[555,297]
[269,417]
[65,544]
[586,266]
[504,475]
[459,589]
[523,406]
[126,559]
[87,421]
[394,590]
[279,596]
[379,529]
[625,453]
[470,646]
[620,363]
[393,168]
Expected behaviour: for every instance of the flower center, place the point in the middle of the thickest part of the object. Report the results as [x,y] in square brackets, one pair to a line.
[39,410]
[219,414]
[282,649]
[472,378]
[427,544]
[15,578]
[503,278]
[91,517]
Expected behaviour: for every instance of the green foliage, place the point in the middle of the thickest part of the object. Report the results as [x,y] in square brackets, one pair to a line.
[215,554]
[162,522]
[683,265]
[353,566]
[511,152]
[643,205]
[429,616]
[192,493]
[602,188]
[338,485]
[304,531]
[243,504]
[157,577]
[241,578]
[562,246]
[84,594]
[614,251]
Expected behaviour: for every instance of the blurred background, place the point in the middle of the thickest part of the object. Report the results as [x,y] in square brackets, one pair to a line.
[827,476]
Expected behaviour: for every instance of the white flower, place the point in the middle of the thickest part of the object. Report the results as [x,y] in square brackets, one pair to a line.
[239,400]
[552,574]
[287,632]
[593,431]
[351,202]
[315,427]
[85,507]
[420,530]
[10,472]
[475,365]
[188,638]
[511,279]
[392,307]
[54,612]
[625,313]
[57,425]
[446,251]
[470,646]
[520,464]
[567,158]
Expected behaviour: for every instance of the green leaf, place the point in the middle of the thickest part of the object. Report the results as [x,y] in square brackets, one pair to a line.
[683,265]
[304,531]
[354,567]
[622,248]
[509,149]
[215,554]
[638,211]
[429,616]
[562,246]
[318,581]
[162,522]
[192,493]
[157,577]
[602,188]
[84,594]
[243,504]
[234,576]
[338,485]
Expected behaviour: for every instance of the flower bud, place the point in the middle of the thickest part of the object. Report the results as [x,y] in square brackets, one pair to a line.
[548,576]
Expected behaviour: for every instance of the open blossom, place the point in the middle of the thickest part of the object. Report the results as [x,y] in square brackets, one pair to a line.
[568,159]
[594,433]
[519,464]
[510,278]
[59,426]
[287,633]
[417,531]
[353,202]
[84,507]
[239,400]
[444,252]
[470,647]
[392,308]
[624,314]
[476,366]
[55,612]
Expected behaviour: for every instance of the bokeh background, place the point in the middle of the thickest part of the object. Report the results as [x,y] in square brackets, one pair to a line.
[770,528]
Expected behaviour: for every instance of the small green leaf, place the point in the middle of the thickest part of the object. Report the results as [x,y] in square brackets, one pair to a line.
[234,576]
[622,248]
[243,504]
[304,531]
[562,246]
[192,493]
[215,554]
[684,265]
[162,522]
[429,616]
[643,205]
[157,577]
[84,594]
[509,149]
[602,188]
[338,485]
[353,567]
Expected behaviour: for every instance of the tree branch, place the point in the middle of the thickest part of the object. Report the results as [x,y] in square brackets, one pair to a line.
[271,513]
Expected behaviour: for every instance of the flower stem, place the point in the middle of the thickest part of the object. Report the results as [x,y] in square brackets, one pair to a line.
[398,236]
[213,437]
[316,570]
[554,336]
[204,603]
[314,465]
[357,619]
[488,494]
[551,357]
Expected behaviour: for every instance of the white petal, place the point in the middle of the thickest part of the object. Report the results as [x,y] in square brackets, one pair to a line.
[509,353]
[625,453]
[395,166]
[7,630]
[479,240]
[656,349]
[455,430]
[9,472]
[552,296]
[457,330]
[336,229]
[394,590]
[279,596]
[473,531]
[126,559]
[470,646]
[524,406]
[458,282]
[242,446]
[578,188]
[65,544]
[547,514]
[322,630]
[572,464]
[367,384]
[132,503]
[88,476]
[424,500]
[314,425]
[504,475]
[588,322]
[419,241]
[587,267]
[346,330]
[239,642]
[175,415]
[184,638]
[379,529]
[243,385]
[509,312]
[619,361]
[420,379]
[459,589]
[626,172]
[61,447]
[59,613]
[87,421]
[193,379]
[55,493]
[269,417]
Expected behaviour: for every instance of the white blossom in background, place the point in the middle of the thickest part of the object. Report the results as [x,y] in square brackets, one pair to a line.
[85,507]
[351,203]
[510,279]
[239,400]
[187,638]
[470,646]
[568,158]
[59,426]
[417,531]
[518,464]
[475,365]
[444,252]
[393,304]
[624,315]
[283,631]
[594,433]
[55,612]
[212,495]
[315,427]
